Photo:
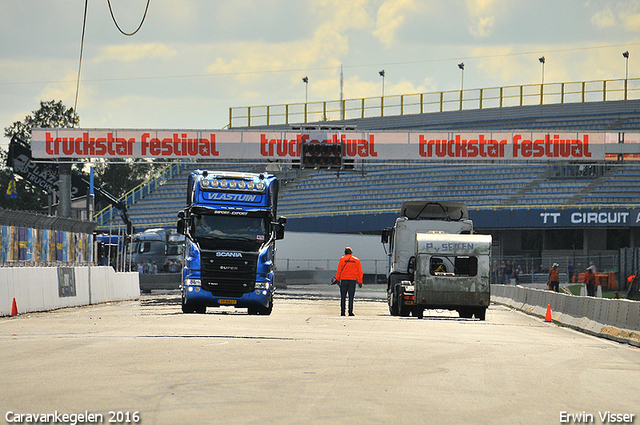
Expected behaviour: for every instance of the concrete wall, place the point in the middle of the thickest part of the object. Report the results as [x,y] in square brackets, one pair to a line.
[49,288]
[618,320]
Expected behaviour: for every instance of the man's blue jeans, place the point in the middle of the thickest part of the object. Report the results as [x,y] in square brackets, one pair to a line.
[347,287]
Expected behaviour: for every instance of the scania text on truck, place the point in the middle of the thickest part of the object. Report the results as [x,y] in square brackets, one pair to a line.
[231,226]
[435,262]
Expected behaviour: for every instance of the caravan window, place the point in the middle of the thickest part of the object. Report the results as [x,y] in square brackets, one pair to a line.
[453,266]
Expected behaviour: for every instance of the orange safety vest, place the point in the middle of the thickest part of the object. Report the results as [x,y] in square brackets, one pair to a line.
[553,275]
[349,268]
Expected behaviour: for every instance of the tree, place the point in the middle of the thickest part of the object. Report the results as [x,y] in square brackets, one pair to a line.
[116,176]
[51,114]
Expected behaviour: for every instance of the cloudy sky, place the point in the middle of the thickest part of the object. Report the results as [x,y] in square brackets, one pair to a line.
[194,59]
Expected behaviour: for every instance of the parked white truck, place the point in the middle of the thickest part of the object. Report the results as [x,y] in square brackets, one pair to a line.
[436,262]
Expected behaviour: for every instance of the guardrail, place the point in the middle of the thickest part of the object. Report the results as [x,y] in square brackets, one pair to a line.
[615,319]
[451,100]
[105,215]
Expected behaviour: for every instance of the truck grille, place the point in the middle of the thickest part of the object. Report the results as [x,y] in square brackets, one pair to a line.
[228,274]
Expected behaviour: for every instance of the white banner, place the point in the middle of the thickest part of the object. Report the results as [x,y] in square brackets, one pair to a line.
[229,144]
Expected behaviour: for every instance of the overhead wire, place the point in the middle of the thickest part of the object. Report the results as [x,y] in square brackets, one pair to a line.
[118,26]
[84,24]
[291,70]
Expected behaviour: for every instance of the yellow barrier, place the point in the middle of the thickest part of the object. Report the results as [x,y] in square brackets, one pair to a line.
[452,100]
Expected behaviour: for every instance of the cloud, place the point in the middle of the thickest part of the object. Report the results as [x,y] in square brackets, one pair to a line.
[481,15]
[625,16]
[631,22]
[604,19]
[134,52]
[64,90]
[390,17]
[329,41]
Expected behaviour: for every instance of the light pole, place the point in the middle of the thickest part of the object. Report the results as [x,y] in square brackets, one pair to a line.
[461,66]
[542,61]
[382,97]
[306,88]
[626,72]
[305,79]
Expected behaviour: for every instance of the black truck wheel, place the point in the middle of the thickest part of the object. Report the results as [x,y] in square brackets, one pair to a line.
[480,313]
[186,307]
[266,311]
[392,299]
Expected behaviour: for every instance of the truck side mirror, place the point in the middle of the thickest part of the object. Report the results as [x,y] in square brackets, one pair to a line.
[180,227]
[411,267]
[385,236]
[279,231]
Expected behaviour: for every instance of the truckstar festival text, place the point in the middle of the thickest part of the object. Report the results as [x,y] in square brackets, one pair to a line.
[228,144]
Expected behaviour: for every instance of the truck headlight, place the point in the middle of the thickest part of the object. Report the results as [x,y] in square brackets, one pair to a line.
[263,285]
[192,282]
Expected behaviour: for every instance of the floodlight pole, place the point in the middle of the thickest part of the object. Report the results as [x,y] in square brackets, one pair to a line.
[382,97]
[542,61]
[626,73]
[461,66]
[305,80]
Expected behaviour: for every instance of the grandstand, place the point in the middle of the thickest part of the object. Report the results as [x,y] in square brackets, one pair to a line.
[375,188]
[507,199]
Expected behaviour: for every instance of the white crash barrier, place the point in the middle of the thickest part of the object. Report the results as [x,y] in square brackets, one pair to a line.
[50,288]
[616,319]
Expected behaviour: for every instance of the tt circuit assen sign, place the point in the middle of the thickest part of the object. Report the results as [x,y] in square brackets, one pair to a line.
[557,218]
[229,144]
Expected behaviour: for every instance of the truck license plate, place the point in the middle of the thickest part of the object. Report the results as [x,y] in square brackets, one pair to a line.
[227,301]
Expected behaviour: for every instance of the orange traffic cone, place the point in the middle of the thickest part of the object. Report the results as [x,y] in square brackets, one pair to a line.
[14,308]
[548,318]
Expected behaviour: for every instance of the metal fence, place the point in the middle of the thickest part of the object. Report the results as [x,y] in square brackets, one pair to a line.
[453,100]
[374,267]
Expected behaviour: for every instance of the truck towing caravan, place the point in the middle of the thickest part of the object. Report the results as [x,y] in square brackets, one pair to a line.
[436,262]
[231,227]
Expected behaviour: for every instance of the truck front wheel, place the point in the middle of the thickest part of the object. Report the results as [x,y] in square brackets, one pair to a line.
[266,311]
[392,299]
[186,307]
[262,310]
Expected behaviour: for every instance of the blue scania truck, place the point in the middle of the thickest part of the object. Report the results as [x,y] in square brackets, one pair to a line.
[230,225]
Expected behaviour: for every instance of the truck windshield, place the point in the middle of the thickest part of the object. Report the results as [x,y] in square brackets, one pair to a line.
[230,232]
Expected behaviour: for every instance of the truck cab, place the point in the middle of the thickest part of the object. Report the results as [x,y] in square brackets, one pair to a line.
[231,226]
[421,217]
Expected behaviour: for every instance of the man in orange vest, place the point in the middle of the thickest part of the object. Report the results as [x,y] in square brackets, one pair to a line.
[590,281]
[349,273]
[554,278]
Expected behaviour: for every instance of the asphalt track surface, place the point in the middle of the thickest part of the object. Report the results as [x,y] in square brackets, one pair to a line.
[304,364]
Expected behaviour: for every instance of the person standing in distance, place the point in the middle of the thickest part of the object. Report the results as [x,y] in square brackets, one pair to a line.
[554,279]
[348,275]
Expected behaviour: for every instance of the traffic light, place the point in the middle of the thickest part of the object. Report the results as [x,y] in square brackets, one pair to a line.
[321,155]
